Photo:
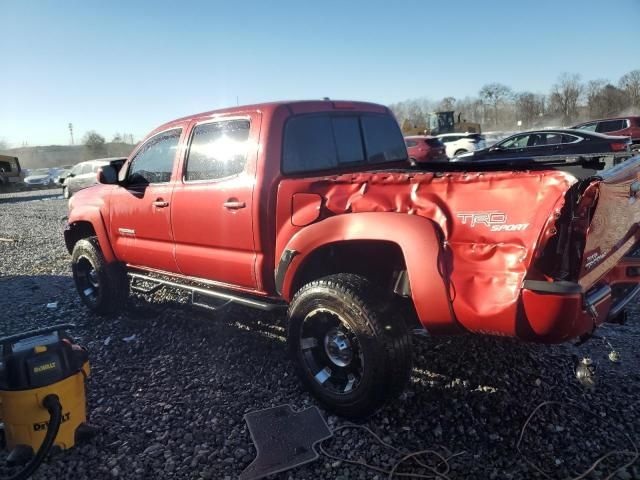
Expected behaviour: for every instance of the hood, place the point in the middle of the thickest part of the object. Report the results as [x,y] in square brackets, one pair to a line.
[36,178]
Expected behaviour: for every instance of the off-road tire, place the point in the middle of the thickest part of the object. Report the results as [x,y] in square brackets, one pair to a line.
[113,290]
[382,337]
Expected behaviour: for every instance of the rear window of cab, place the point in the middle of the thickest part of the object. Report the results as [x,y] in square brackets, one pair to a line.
[325,141]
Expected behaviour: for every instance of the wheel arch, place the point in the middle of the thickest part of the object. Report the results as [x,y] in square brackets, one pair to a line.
[408,241]
[85,223]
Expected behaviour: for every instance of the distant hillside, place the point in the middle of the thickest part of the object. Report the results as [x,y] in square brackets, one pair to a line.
[58,155]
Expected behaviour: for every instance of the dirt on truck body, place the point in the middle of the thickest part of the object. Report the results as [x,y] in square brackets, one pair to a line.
[313,206]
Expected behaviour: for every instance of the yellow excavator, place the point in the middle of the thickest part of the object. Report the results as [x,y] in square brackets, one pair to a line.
[438,123]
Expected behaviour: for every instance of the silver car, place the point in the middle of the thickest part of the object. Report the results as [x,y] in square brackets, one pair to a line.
[84,174]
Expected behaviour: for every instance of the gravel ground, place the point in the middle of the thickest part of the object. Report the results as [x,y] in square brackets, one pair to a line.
[170,402]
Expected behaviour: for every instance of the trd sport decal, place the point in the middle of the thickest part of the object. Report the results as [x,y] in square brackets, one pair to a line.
[494,221]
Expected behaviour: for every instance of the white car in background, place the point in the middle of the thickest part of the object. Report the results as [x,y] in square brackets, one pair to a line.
[459,143]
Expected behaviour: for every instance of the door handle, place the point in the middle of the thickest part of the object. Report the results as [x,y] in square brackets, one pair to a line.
[234,204]
[160,203]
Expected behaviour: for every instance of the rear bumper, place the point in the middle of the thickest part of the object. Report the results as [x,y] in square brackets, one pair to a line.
[554,312]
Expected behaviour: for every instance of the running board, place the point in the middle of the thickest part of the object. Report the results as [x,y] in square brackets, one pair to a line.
[623,302]
[246,301]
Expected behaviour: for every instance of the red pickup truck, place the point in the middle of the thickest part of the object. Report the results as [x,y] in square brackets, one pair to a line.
[313,206]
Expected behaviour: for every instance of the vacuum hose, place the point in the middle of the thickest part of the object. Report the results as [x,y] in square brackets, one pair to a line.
[52,403]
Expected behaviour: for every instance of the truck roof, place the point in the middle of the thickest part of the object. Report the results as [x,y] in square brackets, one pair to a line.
[295,106]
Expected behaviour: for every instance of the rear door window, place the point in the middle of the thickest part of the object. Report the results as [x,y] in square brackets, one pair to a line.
[610,126]
[324,141]
[570,139]
[217,150]
[553,139]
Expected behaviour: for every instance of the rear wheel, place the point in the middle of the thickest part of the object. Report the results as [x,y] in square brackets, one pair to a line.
[352,352]
[103,287]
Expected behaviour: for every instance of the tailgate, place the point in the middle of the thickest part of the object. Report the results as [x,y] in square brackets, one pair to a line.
[613,230]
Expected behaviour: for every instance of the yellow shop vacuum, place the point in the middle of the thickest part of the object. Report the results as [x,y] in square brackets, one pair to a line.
[42,395]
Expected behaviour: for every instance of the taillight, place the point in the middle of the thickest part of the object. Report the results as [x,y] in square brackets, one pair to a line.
[619,147]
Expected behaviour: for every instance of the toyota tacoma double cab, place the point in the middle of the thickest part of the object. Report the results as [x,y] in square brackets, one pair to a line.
[313,206]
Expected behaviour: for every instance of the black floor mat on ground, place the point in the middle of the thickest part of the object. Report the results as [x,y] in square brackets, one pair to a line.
[284,439]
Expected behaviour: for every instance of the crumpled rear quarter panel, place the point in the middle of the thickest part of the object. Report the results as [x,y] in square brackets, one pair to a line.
[491,222]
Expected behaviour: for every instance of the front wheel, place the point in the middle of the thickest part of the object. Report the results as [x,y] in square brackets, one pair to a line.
[351,351]
[65,192]
[103,287]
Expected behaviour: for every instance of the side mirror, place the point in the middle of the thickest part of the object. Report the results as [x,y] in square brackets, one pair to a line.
[107,175]
[495,148]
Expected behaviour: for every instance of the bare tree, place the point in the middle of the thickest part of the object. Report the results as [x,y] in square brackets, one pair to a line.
[95,144]
[630,84]
[529,107]
[494,94]
[604,99]
[447,104]
[565,95]
[592,91]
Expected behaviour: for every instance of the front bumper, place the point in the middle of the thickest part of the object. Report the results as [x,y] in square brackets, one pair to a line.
[554,312]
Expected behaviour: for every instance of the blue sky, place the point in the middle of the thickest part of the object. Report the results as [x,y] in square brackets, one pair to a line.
[129,66]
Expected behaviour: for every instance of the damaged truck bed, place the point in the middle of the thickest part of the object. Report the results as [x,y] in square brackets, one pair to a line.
[313,206]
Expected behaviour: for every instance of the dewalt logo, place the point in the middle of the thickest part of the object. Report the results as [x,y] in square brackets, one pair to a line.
[37,427]
[44,367]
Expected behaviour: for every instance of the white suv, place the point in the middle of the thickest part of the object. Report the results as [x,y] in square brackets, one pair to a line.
[459,143]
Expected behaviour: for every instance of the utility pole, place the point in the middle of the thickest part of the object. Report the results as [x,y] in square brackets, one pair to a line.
[71,132]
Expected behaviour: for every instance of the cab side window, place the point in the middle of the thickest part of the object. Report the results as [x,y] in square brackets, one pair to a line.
[217,150]
[154,161]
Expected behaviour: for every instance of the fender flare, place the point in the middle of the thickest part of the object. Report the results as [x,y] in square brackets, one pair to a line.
[419,239]
[93,216]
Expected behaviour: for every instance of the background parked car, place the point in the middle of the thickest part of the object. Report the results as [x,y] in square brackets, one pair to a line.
[39,177]
[84,174]
[423,148]
[459,143]
[551,142]
[10,174]
[626,126]
[61,175]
